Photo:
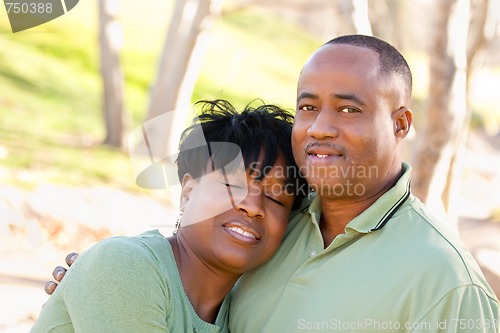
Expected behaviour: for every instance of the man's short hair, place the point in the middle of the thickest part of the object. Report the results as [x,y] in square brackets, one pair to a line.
[390,59]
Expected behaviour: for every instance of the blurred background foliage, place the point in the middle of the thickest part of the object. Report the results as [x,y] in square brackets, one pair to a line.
[62,188]
[50,89]
[51,94]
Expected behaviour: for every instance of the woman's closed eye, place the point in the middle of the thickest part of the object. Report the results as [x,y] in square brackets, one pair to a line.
[235,186]
[276,201]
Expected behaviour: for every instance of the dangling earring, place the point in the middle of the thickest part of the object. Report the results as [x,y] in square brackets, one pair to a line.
[178,222]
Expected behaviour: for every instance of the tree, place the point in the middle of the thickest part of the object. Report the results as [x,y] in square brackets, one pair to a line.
[437,178]
[481,32]
[478,37]
[389,21]
[180,64]
[112,77]
[445,118]
[353,17]
[182,57]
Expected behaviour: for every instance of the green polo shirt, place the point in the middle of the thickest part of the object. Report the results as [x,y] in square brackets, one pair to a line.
[395,269]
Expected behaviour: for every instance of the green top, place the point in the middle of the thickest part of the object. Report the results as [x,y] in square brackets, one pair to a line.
[396,269]
[125,284]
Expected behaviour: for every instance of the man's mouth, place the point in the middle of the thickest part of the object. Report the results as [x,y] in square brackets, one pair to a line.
[323,151]
[320,156]
[323,156]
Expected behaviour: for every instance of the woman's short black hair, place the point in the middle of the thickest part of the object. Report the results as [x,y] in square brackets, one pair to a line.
[263,129]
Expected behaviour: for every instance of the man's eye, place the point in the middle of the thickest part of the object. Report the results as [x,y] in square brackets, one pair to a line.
[349,109]
[307,108]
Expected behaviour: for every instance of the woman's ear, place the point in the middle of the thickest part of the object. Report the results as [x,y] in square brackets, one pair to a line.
[187,185]
[403,118]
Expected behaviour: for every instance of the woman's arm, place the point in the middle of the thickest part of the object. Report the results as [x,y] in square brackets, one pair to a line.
[116,286]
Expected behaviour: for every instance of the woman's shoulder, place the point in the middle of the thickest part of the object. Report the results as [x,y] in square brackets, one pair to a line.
[140,250]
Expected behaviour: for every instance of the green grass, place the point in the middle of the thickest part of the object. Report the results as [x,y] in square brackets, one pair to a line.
[254,56]
[50,89]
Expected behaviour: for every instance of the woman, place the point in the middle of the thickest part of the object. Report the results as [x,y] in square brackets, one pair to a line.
[233,220]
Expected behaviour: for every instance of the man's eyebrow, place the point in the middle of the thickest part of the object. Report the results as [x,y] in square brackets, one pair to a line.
[306,94]
[350,97]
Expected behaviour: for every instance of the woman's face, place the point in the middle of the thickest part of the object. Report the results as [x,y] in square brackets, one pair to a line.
[234,221]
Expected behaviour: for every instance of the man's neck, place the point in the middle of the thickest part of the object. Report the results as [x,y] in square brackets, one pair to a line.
[338,212]
[335,216]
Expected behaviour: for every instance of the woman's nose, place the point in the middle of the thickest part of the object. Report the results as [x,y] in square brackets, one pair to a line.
[252,204]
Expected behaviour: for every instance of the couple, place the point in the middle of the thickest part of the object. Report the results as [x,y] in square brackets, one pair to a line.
[362,255]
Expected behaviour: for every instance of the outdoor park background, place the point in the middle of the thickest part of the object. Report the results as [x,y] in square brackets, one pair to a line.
[61,189]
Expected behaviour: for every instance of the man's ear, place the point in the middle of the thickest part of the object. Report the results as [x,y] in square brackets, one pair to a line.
[403,119]
[187,186]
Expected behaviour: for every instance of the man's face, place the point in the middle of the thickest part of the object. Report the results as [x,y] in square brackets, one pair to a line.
[343,137]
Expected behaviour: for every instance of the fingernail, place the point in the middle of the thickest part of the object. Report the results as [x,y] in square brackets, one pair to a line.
[48,287]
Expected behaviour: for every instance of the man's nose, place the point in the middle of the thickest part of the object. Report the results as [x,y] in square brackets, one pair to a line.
[324,125]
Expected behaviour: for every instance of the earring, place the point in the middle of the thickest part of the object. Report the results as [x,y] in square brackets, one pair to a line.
[178,222]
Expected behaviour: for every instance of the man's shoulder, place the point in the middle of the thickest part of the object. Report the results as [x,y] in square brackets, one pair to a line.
[432,242]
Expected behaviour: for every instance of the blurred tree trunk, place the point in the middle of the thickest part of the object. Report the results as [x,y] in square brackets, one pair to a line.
[389,21]
[353,17]
[478,37]
[179,66]
[110,39]
[481,32]
[446,114]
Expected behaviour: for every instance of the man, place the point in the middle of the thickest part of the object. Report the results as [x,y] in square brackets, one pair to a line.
[364,255]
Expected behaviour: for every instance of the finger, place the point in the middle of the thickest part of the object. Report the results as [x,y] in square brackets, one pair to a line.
[70,258]
[50,287]
[58,273]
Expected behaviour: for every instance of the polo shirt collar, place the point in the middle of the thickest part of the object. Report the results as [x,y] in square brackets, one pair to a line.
[376,216]
[315,209]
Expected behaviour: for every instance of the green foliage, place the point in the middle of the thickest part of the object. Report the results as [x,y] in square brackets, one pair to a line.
[50,103]
[495,215]
[254,55]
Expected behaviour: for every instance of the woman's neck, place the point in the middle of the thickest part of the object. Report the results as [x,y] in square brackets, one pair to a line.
[205,286]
